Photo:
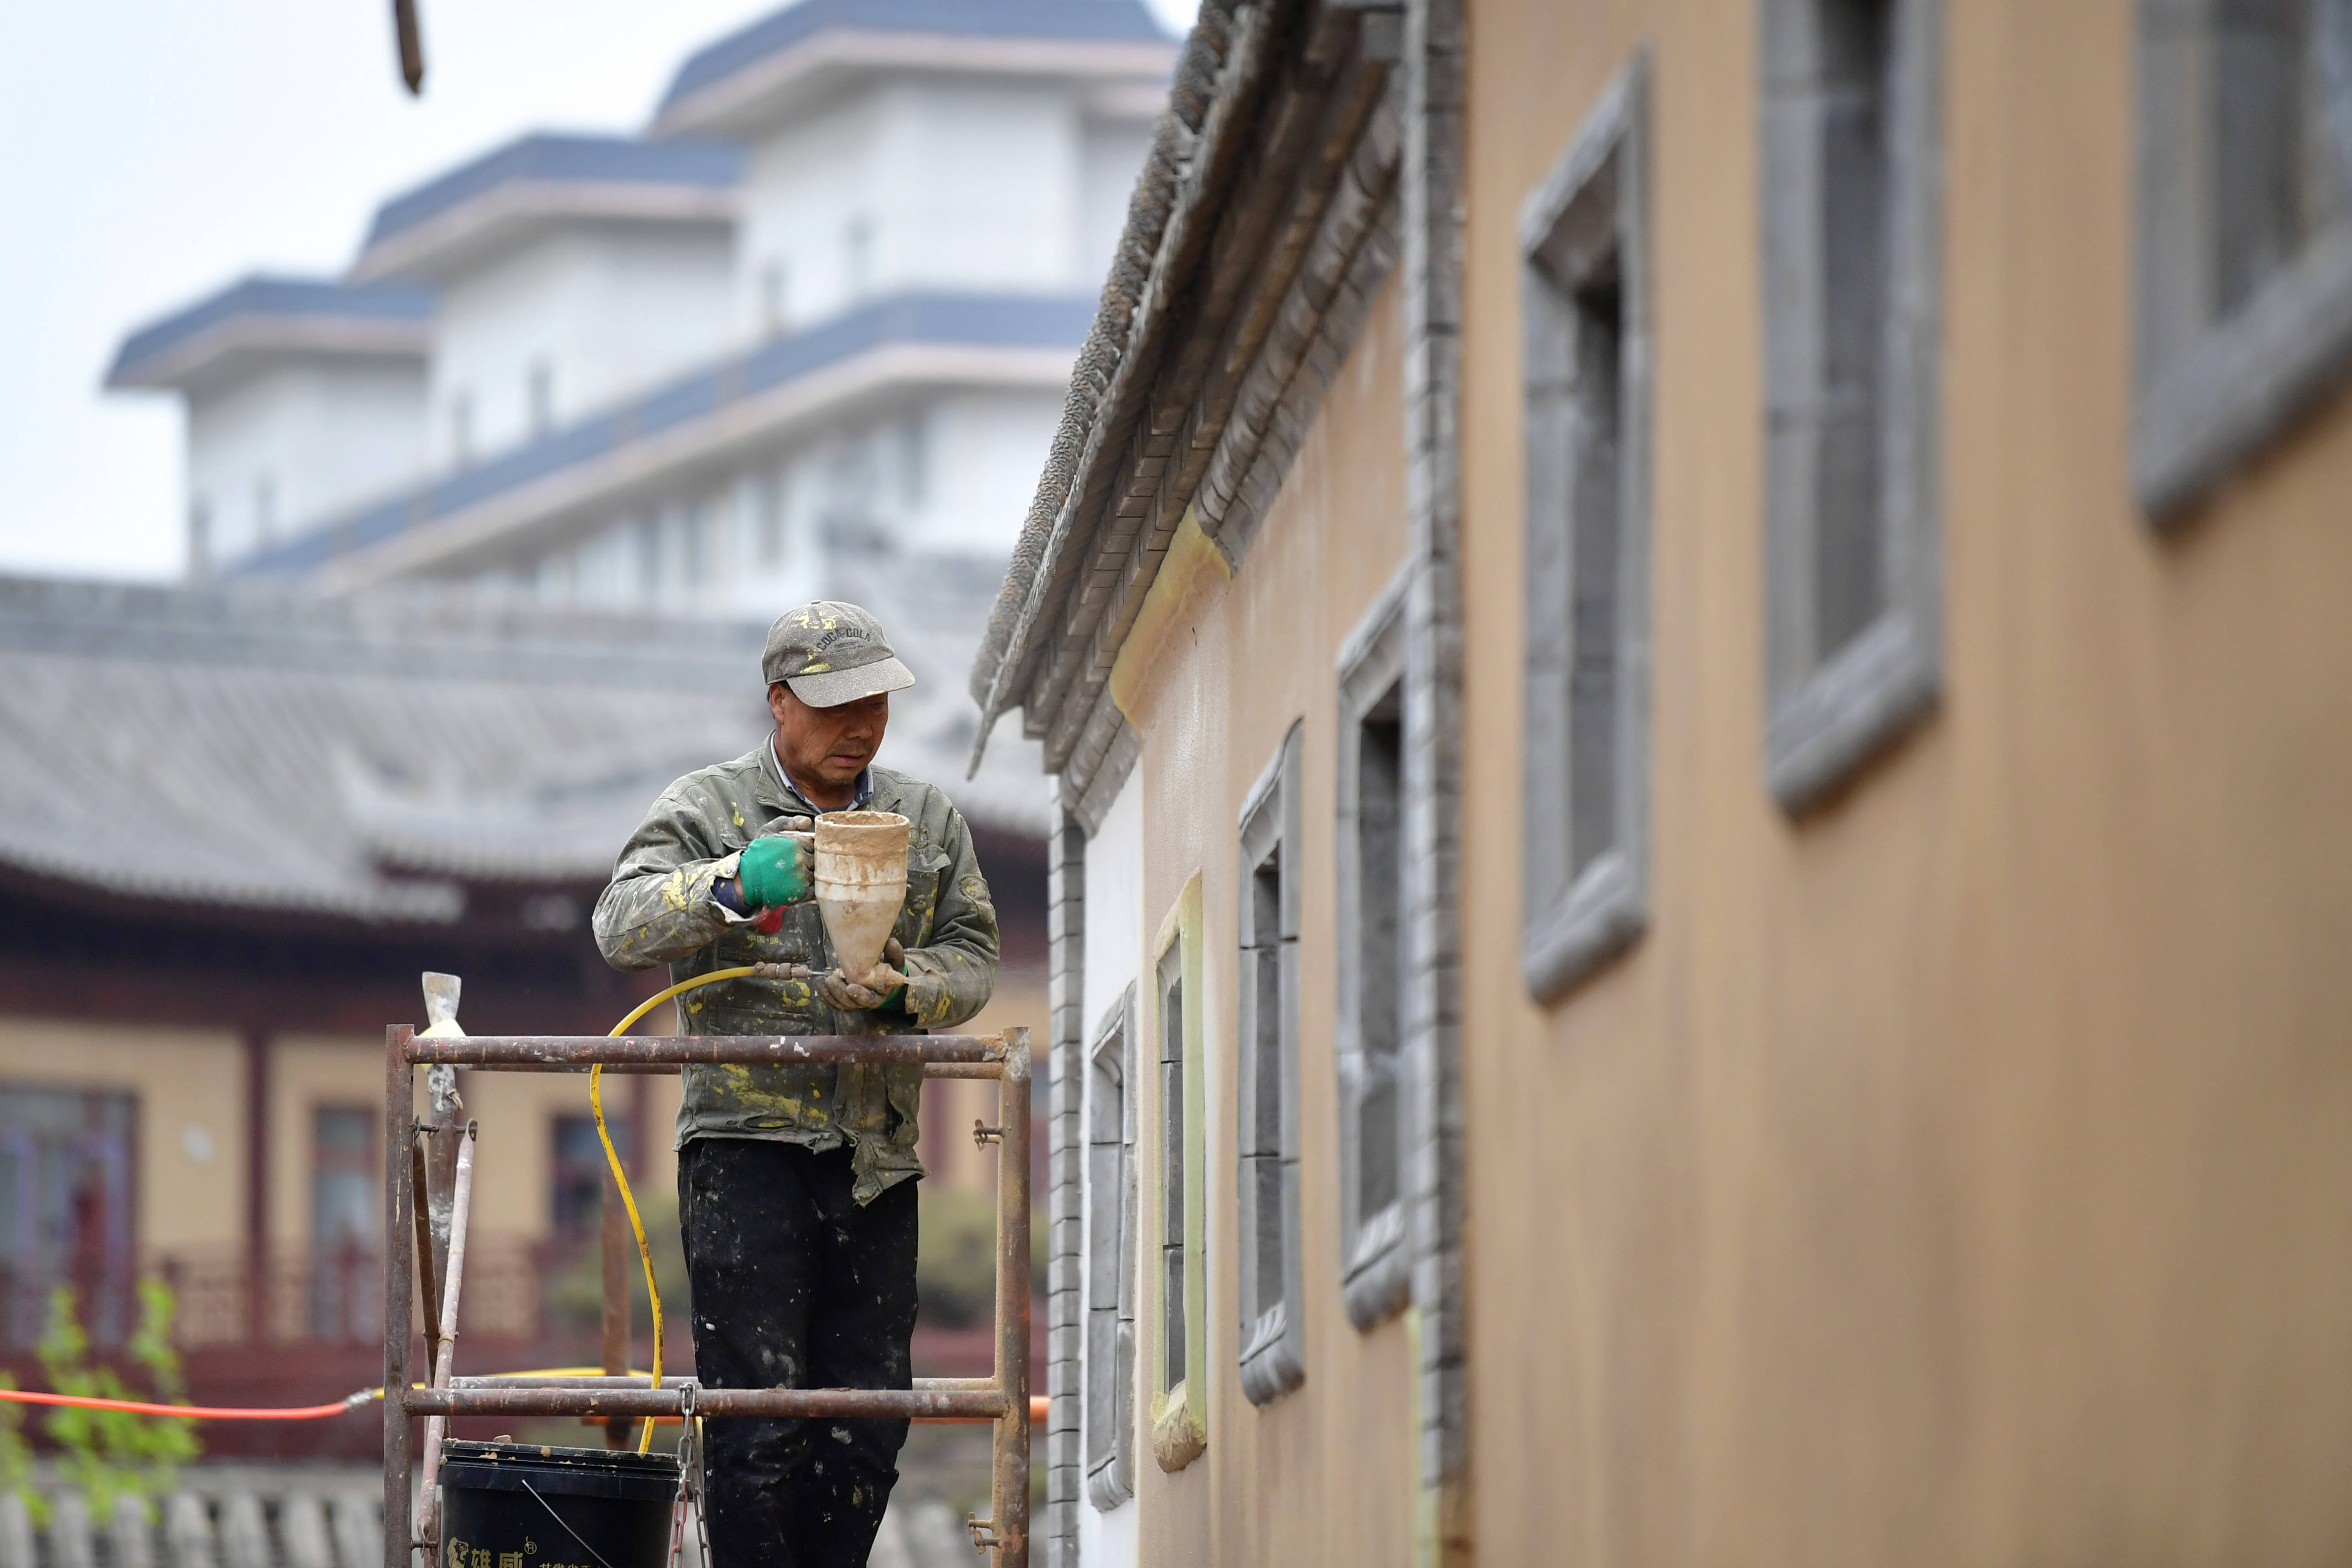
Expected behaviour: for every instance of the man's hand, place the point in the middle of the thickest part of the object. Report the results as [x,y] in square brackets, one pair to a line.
[842,994]
[776,870]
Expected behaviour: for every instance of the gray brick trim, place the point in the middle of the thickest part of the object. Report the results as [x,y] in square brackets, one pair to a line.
[1587,419]
[1353,251]
[1065,890]
[1433,702]
[1375,1263]
[1112,1265]
[2215,391]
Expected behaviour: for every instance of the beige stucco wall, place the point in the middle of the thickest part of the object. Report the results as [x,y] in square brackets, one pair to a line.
[950,1105]
[1961,1175]
[182,1079]
[1222,669]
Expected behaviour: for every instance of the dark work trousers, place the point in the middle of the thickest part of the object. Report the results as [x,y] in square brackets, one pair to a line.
[795,1286]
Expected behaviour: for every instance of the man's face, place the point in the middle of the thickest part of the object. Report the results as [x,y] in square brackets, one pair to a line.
[828,747]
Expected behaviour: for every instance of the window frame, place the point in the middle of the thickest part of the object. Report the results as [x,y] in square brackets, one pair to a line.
[1273,1339]
[367,1238]
[583,1225]
[1375,1265]
[1588,218]
[1109,1412]
[1179,1411]
[1827,716]
[2212,392]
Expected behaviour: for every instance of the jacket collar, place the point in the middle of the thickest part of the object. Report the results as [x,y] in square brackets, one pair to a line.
[777,789]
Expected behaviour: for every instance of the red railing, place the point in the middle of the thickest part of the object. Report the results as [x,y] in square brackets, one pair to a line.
[223,1297]
[336,1297]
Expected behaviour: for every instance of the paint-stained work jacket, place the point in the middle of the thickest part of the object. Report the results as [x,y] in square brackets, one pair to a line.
[658,909]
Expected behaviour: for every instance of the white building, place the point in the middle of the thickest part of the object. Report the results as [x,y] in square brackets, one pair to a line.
[571,272]
[821,315]
[304,398]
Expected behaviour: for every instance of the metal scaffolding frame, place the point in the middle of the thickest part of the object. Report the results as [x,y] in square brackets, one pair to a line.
[427,1171]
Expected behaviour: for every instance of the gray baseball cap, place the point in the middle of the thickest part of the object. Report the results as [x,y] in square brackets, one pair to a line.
[830,653]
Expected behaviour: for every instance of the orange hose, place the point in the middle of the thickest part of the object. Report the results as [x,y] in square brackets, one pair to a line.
[190,1412]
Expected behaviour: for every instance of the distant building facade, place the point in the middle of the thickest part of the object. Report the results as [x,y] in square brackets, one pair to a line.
[1696,662]
[238,823]
[823,307]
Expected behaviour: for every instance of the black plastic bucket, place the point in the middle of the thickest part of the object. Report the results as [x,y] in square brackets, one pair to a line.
[518,1505]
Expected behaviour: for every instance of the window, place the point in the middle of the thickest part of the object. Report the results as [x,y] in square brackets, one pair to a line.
[767,512]
[694,532]
[265,509]
[1583,236]
[65,1181]
[1273,1330]
[649,557]
[345,1178]
[914,466]
[774,299]
[2245,232]
[461,427]
[200,537]
[1180,1401]
[1375,1269]
[577,1174]
[1175,1333]
[858,257]
[1110,1262]
[540,397]
[1850,318]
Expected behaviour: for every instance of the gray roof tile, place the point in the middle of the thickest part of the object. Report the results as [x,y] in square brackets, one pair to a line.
[364,757]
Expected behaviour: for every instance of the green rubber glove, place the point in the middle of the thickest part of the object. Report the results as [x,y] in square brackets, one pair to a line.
[775,870]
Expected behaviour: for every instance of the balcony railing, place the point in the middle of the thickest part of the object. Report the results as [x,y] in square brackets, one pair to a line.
[292,1298]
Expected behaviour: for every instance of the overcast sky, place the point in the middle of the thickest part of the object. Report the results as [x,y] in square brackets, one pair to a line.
[154,150]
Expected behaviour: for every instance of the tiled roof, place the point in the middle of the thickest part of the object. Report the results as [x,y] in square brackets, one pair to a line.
[363,757]
[403,313]
[1174,171]
[1116,21]
[551,158]
[1010,321]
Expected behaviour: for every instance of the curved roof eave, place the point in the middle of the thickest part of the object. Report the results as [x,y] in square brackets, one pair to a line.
[500,219]
[742,81]
[261,316]
[548,176]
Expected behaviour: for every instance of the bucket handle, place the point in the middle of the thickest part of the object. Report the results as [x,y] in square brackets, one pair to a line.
[560,1520]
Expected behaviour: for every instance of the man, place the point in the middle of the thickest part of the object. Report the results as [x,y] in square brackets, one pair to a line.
[796,1185]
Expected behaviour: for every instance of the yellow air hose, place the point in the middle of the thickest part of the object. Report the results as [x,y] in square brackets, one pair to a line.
[621,1177]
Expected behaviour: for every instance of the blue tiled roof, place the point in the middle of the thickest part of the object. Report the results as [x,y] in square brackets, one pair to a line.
[1108,20]
[962,321]
[273,297]
[547,156]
